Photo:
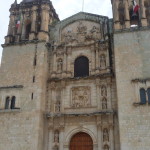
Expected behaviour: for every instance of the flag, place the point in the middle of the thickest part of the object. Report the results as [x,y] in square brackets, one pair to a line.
[135,7]
[18,24]
[18,21]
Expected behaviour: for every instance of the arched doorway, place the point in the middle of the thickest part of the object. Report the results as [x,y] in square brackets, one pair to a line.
[81,141]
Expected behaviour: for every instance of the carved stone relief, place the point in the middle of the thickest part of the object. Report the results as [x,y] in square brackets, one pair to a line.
[81,97]
[81,34]
[57,107]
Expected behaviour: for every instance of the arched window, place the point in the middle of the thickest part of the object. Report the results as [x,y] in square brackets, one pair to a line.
[121,11]
[81,67]
[13,101]
[134,17]
[143,96]
[28,29]
[148,93]
[7,102]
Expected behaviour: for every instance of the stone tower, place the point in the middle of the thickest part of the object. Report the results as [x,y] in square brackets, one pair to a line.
[23,75]
[132,53]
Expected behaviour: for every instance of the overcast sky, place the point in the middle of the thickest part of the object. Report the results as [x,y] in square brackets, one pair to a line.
[64,9]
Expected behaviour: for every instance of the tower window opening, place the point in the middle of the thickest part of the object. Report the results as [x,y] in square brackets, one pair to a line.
[148,94]
[13,101]
[32,96]
[28,30]
[7,101]
[33,79]
[81,67]
[134,17]
[121,10]
[143,96]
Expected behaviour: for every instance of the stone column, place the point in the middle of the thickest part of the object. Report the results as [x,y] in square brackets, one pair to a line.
[45,18]
[54,65]
[93,59]
[143,14]
[116,15]
[43,34]
[69,62]
[97,61]
[23,27]
[111,138]
[50,140]
[61,139]
[34,21]
[10,29]
[127,17]
[99,132]
[98,95]
[64,65]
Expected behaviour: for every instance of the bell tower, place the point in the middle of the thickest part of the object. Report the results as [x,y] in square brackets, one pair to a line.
[132,52]
[29,20]
[130,12]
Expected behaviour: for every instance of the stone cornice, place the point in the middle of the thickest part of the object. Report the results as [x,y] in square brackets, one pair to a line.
[12,87]
[103,112]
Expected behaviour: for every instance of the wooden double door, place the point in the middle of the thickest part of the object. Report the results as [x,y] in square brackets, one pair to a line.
[81,141]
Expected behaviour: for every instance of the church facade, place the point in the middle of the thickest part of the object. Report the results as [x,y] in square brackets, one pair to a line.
[82,83]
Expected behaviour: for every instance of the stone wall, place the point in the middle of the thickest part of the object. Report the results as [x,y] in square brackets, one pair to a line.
[132,61]
[22,128]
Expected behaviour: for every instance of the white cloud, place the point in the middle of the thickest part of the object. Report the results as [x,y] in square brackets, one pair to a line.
[64,9]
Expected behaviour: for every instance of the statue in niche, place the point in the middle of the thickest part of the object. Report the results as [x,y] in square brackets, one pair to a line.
[104,103]
[103,61]
[59,65]
[56,137]
[105,135]
[103,90]
[57,106]
[106,147]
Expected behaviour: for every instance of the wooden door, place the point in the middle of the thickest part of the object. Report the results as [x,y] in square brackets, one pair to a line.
[81,141]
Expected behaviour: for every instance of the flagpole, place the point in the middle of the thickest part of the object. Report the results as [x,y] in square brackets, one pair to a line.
[83,6]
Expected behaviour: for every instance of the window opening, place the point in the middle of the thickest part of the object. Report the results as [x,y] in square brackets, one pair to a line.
[7,103]
[143,96]
[13,101]
[148,93]
[81,67]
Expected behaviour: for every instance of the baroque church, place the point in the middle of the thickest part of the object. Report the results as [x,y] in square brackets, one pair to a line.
[82,83]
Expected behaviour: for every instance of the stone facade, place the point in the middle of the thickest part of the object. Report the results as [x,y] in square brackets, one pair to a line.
[47,96]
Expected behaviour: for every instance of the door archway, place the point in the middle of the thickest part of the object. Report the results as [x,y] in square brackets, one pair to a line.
[81,141]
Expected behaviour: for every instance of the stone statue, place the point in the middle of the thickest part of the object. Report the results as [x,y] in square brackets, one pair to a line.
[103,90]
[103,61]
[57,106]
[104,103]
[56,137]
[105,135]
[59,65]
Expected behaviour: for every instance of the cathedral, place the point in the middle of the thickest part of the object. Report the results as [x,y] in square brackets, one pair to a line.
[82,83]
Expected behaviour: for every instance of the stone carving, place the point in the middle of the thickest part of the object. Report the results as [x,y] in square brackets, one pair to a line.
[57,106]
[81,97]
[81,29]
[103,90]
[106,147]
[94,33]
[59,65]
[104,103]
[102,61]
[69,37]
[105,135]
[56,137]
